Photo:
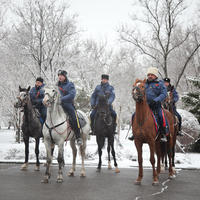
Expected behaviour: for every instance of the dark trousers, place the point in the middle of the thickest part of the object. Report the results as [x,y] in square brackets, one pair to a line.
[179,117]
[161,119]
[70,110]
[43,114]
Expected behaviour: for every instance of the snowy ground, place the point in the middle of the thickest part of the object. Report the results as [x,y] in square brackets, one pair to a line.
[10,151]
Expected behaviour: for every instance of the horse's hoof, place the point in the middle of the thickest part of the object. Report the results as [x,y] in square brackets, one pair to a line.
[82,175]
[45,180]
[98,170]
[155,183]
[172,176]
[71,174]
[24,167]
[59,180]
[37,168]
[137,182]
[109,167]
[117,170]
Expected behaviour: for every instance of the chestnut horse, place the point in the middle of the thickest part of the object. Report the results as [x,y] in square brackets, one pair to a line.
[145,132]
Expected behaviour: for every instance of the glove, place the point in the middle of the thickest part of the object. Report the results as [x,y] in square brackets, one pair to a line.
[152,103]
[93,106]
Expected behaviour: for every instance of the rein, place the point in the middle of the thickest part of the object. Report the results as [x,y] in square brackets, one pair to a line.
[54,128]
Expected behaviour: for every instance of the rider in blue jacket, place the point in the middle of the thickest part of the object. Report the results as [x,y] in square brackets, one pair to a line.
[175,99]
[37,95]
[103,89]
[68,93]
[156,92]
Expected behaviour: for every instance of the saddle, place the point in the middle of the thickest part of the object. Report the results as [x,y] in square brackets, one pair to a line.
[157,126]
[81,120]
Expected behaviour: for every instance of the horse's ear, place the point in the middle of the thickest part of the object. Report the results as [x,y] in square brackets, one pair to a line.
[145,80]
[136,81]
[20,89]
[29,87]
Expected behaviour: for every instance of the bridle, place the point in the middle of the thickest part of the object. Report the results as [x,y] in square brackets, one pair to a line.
[22,101]
[138,95]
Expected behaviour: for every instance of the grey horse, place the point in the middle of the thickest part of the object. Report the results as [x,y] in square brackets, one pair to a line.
[57,130]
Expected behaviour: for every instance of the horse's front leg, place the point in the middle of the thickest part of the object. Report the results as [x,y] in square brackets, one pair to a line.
[49,148]
[100,142]
[37,142]
[113,154]
[152,160]
[82,152]
[138,145]
[108,150]
[61,162]
[171,173]
[74,152]
[26,143]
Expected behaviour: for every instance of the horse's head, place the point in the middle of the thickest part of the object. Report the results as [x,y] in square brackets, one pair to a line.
[50,95]
[168,103]
[103,107]
[138,91]
[23,97]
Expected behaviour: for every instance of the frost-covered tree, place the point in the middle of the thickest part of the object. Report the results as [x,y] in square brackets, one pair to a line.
[192,99]
[45,32]
[161,38]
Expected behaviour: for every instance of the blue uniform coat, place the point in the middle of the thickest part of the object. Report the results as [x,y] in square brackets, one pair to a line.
[155,90]
[102,89]
[67,91]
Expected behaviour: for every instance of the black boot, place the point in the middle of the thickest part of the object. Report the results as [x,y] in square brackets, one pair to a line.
[115,126]
[180,133]
[78,137]
[92,128]
[131,138]
[163,135]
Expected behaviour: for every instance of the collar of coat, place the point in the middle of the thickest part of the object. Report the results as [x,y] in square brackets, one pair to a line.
[154,81]
[63,83]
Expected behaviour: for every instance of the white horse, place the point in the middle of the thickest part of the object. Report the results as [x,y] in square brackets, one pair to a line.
[57,130]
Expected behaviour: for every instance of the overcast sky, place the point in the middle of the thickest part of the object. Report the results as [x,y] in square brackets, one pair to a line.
[100,18]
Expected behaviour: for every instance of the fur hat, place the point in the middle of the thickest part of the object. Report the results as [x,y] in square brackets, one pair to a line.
[166,80]
[40,79]
[105,76]
[152,70]
[62,72]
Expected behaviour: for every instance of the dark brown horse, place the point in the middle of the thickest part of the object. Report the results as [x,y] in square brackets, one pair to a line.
[104,128]
[31,126]
[144,132]
[168,104]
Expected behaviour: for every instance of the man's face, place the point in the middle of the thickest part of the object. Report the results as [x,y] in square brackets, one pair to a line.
[61,78]
[151,77]
[166,84]
[38,83]
[104,80]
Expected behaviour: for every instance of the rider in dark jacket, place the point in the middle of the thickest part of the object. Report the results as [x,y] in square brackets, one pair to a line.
[37,95]
[175,99]
[68,93]
[103,89]
[156,92]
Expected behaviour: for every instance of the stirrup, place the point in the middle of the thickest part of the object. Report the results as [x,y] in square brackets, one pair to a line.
[163,138]
[131,138]
[79,141]
[180,133]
